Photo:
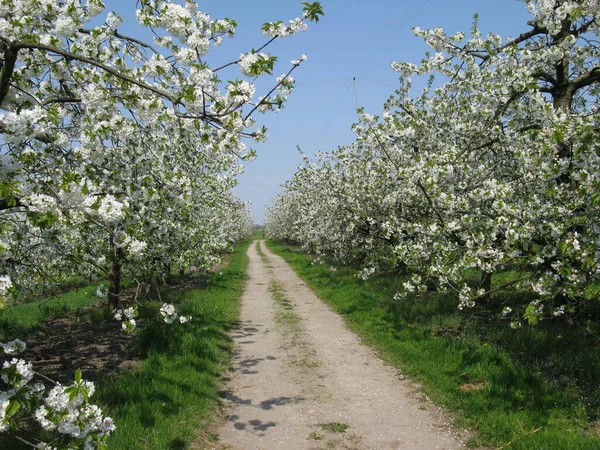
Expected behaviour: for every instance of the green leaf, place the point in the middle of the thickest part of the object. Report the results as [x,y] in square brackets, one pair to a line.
[129,327]
[72,391]
[531,314]
[313,10]
[12,408]
[563,246]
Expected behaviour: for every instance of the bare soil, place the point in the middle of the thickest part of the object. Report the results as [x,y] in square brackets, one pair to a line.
[100,348]
[302,380]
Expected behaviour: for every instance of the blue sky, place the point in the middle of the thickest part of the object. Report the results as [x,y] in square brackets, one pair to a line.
[356,39]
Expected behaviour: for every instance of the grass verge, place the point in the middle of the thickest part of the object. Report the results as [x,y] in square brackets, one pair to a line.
[168,401]
[532,388]
[17,319]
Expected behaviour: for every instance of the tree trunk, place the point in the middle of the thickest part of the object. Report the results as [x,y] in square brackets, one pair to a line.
[114,279]
[486,281]
[401,268]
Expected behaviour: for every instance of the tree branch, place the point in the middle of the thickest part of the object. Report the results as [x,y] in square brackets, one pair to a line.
[270,92]
[535,31]
[10,58]
[61,100]
[125,38]
[591,77]
[6,204]
[21,45]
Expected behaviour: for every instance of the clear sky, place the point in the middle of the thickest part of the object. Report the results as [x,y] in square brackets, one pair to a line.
[356,39]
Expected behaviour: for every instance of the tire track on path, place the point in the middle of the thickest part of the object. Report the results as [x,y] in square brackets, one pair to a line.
[302,380]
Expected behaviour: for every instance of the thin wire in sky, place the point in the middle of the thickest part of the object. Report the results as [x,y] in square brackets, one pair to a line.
[322,82]
[368,81]
[337,80]
[355,93]
[340,103]
[390,40]
[377,82]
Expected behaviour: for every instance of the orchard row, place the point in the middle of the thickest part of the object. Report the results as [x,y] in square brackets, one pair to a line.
[493,167]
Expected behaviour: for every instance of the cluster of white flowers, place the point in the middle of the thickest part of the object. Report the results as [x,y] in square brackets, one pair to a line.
[111,210]
[127,316]
[248,63]
[101,291]
[367,272]
[113,20]
[41,203]
[260,135]
[169,314]
[13,347]
[297,62]
[65,26]
[280,29]
[65,410]
[135,247]
[241,91]
[5,285]
[199,43]
[17,372]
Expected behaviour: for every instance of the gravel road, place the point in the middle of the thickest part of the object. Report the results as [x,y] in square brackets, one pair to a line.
[302,380]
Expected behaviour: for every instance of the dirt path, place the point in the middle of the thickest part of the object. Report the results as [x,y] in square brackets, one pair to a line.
[302,380]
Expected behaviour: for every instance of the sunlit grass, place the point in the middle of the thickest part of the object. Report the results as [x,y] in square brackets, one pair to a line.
[168,401]
[17,319]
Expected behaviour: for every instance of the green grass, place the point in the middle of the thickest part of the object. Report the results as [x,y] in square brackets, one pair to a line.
[334,427]
[532,388]
[262,255]
[284,315]
[167,401]
[18,319]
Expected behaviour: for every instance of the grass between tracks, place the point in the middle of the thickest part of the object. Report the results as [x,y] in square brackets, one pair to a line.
[531,388]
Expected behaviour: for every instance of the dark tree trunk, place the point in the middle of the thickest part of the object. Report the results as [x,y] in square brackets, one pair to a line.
[431,285]
[114,279]
[401,268]
[486,281]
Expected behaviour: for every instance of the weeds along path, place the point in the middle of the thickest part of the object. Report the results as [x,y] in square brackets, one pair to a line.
[302,380]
